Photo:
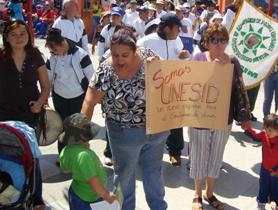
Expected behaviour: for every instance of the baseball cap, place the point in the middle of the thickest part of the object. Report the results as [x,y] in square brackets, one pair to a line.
[133,1]
[117,11]
[186,10]
[77,129]
[169,19]
[152,21]
[142,9]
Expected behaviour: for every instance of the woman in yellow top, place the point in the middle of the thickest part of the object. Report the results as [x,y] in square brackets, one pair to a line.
[96,13]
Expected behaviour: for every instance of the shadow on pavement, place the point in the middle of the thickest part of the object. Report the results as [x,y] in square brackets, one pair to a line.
[256,168]
[241,138]
[227,206]
[61,177]
[234,182]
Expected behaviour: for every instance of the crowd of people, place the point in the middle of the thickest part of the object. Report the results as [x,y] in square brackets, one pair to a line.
[126,35]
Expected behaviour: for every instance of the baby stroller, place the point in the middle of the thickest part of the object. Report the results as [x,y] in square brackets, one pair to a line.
[18,146]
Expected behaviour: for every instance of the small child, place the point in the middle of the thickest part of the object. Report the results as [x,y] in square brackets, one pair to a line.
[269,169]
[89,178]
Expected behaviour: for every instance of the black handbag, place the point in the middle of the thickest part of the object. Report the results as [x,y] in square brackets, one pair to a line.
[241,106]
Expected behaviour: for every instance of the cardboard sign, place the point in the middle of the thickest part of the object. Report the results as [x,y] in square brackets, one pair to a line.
[187,93]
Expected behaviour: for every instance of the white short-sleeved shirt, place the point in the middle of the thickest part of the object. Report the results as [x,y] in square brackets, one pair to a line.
[186,22]
[166,49]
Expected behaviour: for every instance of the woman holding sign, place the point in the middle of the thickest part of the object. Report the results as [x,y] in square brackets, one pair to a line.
[119,84]
[208,145]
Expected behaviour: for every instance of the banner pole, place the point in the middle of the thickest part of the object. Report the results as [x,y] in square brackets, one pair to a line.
[29,19]
[270,7]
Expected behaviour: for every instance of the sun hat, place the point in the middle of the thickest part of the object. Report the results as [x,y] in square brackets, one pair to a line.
[77,129]
[179,8]
[159,2]
[103,15]
[216,16]
[152,7]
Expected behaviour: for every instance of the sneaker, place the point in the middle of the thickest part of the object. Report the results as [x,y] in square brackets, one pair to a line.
[238,123]
[175,160]
[253,118]
[108,161]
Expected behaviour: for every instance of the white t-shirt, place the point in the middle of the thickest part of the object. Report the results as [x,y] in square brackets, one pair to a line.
[186,22]
[130,17]
[166,49]
[159,15]
[139,25]
[205,12]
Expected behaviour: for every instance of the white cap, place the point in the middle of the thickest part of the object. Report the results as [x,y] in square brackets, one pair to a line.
[155,21]
[186,5]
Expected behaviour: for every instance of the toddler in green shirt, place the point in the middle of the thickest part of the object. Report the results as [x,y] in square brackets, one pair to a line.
[87,190]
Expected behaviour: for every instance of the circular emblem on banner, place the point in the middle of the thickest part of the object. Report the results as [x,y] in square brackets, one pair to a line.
[253,40]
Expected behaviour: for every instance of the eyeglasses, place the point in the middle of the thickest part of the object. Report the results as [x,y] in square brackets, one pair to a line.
[215,40]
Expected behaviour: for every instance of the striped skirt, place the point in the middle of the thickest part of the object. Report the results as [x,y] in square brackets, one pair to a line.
[206,151]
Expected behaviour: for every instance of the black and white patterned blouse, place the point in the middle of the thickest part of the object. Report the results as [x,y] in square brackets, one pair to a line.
[124,101]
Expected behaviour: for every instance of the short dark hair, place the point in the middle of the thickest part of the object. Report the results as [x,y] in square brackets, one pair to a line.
[126,36]
[54,37]
[215,29]
[271,121]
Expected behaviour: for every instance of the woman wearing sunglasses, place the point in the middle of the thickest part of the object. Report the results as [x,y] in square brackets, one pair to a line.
[208,145]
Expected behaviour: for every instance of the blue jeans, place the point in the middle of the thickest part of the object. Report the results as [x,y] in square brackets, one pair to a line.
[76,203]
[270,88]
[95,22]
[131,146]
[268,187]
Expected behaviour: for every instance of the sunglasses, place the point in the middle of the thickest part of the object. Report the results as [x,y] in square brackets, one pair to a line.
[215,40]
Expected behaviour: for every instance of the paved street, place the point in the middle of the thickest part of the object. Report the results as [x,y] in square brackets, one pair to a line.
[237,186]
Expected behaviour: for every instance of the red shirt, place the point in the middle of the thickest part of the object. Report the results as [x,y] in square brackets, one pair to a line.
[270,150]
[48,16]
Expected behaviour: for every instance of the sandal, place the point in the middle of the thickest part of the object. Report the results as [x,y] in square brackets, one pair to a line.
[197,204]
[214,202]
